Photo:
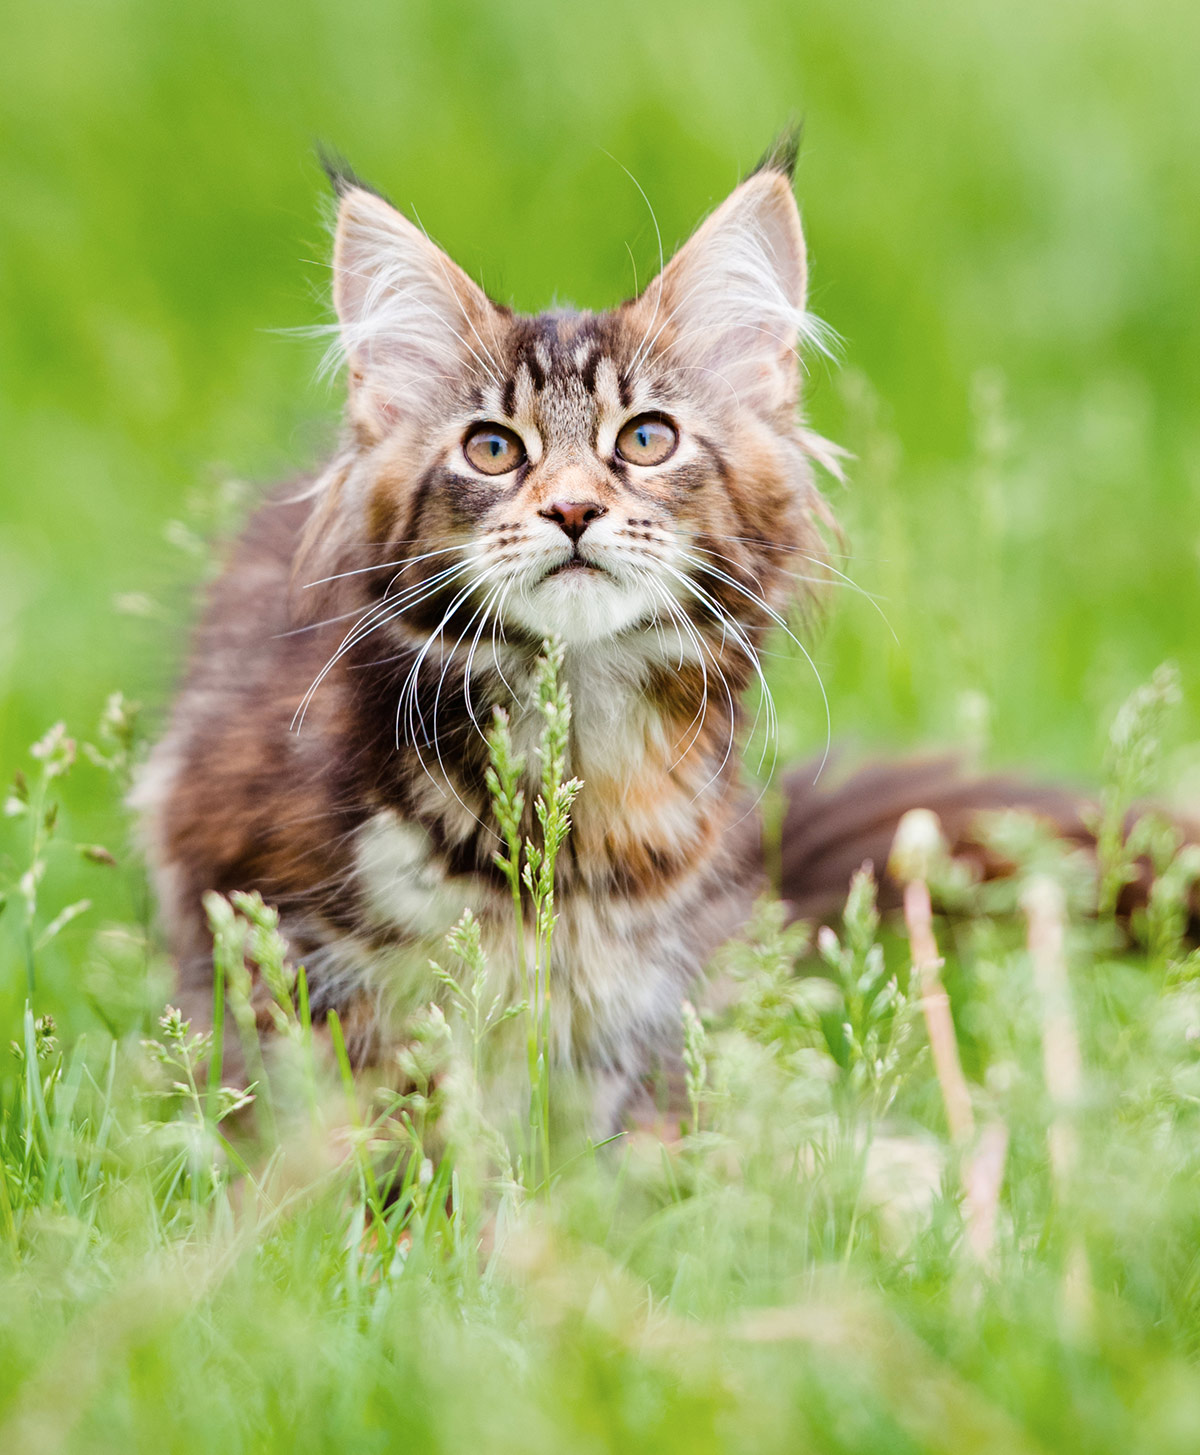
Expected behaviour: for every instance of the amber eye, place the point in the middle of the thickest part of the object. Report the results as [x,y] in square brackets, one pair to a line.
[647,440]
[493,449]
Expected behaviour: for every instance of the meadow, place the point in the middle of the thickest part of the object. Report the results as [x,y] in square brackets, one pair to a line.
[1000,204]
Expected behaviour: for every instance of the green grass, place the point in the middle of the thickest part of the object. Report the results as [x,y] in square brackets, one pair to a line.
[999,201]
[822,1259]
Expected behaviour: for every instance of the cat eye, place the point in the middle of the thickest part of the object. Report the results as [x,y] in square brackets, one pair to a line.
[493,449]
[648,439]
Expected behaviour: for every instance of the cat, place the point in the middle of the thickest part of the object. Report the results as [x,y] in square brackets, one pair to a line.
[638,484]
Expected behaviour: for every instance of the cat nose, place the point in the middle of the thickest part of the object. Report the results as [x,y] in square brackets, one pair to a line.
[573,516]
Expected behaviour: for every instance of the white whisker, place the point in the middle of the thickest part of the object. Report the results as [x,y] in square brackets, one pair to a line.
[379,615]
[779,621]
[661,264]
[382,566]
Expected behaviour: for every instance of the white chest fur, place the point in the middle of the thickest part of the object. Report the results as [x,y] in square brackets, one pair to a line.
[617,970]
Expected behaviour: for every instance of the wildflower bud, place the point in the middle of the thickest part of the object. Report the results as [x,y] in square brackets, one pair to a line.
[56,751]
[172,1021]
[827,942]
[917,847]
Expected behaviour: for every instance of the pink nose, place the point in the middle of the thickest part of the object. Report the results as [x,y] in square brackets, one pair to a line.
[573,516]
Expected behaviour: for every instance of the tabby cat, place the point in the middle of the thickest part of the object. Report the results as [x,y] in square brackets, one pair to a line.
[636,483]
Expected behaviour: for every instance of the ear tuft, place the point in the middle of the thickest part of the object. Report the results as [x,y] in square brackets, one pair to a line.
[342,176]
[411,322]
[733,296]
[782,154]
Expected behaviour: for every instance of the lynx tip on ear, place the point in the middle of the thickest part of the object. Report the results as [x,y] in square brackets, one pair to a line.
[781,155]
[342,176]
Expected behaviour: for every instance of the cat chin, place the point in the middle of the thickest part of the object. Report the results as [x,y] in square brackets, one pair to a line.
[580,607]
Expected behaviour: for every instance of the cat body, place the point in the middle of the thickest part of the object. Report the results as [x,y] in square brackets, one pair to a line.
[635,484]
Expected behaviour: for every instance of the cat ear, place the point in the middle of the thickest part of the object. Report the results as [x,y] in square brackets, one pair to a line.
[730,303]
[409,318]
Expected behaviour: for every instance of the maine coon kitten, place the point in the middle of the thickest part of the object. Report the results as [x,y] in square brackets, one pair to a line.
[634,482]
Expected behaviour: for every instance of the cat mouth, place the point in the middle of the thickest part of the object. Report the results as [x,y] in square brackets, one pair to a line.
[574,563]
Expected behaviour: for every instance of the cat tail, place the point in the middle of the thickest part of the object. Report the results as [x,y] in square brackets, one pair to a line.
[829,829]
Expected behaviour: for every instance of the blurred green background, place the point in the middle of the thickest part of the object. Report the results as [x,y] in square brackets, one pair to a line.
[1001,198]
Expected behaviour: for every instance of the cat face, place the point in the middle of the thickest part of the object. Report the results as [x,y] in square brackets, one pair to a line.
[591,476]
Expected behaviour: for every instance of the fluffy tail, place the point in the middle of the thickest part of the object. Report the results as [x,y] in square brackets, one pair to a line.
[828,831]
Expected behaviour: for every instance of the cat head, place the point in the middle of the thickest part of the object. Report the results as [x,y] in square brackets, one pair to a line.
[579,474]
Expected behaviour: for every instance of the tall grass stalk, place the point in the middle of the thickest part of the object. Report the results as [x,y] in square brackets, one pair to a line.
[528,864]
